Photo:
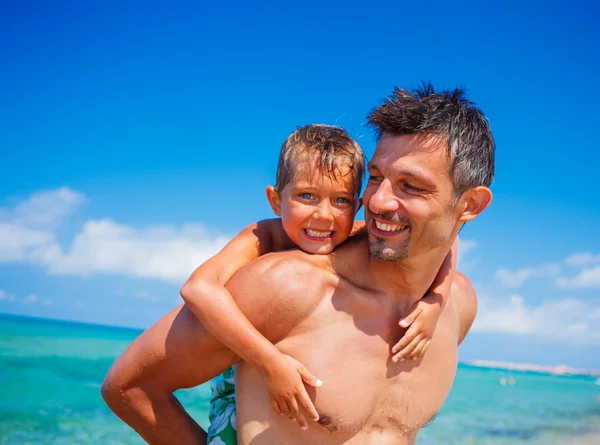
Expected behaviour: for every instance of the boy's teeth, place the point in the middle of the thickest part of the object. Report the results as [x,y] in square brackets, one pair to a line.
[318,234]
[389,227]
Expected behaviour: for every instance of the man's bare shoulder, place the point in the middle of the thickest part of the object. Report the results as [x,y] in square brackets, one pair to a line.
[278,290]
[463,301]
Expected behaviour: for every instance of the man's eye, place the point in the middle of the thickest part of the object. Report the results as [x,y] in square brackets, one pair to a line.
[413,188]
[373,178]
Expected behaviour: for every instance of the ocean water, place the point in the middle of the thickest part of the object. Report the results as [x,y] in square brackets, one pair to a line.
[50,376]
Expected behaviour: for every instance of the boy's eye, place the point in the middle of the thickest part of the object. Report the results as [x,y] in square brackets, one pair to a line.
[305,196]
[342,201]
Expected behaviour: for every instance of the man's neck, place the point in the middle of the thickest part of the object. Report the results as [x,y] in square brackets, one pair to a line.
[409,279]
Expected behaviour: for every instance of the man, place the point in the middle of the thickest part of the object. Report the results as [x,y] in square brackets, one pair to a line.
[338,313]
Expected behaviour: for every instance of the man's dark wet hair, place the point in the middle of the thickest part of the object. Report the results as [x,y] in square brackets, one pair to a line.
[334,148]
[446,114]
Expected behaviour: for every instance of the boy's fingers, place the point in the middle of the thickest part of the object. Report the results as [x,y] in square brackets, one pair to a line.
[301,421]
[275,407]
[305,401]
[420,349]
[411,317]
[407,351]
[406,339]
[401,344]
[309,378]
[287,409]
[294,410]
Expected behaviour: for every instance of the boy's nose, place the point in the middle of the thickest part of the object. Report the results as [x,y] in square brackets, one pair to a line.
[324,211]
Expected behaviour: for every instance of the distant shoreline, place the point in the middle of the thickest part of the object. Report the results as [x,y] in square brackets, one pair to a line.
[545,369]
[35,319]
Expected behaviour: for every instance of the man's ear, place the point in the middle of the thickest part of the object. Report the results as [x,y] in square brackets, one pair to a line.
[475,201]
[274,199]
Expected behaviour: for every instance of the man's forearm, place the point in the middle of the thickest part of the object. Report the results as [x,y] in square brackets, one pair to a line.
[174,353]
[160,420]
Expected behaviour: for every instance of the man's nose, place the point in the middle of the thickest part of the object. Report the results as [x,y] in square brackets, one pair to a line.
[383,200]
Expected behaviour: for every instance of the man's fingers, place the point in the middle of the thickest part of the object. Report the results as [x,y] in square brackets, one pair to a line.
[309,378]
[305,401]
[411,317]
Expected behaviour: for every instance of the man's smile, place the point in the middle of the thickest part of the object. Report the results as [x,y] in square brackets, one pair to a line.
[387,228]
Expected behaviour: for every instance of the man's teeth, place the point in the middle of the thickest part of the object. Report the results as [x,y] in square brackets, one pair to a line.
[318,234]
[389,227]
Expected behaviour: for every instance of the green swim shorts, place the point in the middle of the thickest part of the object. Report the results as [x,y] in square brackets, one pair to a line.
[222,410]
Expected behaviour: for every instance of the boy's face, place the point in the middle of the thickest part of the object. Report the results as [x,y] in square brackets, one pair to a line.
[317,209]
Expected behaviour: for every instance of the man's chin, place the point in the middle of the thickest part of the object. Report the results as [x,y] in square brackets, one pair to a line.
[383,252]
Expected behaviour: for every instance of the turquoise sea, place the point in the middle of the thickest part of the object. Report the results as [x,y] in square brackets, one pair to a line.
[50,375]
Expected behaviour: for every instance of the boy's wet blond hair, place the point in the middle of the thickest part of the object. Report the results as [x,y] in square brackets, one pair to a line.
[334,147]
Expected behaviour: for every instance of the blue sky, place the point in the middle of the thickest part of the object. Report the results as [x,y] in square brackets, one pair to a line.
[138,138]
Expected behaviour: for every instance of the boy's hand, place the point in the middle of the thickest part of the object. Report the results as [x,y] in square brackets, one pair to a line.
[284,378]
[422,319]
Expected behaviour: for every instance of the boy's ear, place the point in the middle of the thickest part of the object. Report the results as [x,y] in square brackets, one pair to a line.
[274,200]
[475,201]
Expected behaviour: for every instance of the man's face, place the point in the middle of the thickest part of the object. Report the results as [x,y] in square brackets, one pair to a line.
[409,207]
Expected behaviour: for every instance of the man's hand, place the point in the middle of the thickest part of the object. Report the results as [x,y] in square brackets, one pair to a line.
[284,378]
[421,322]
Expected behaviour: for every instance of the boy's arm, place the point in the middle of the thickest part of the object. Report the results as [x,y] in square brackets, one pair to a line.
[206,296]
[177,352]
[423,316]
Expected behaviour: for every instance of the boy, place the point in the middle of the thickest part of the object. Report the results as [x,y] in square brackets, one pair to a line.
[319,179]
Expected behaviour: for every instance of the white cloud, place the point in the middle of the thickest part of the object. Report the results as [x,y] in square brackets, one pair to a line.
[583,259]
[28,234]
[586,278]
[464,247]
[568,320]
[516,278]
[27,231]
[6,297]
[31,298]
[169,253]
[44,210]
[140,295]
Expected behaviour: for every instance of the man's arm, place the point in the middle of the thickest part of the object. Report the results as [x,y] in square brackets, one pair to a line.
[177,352]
